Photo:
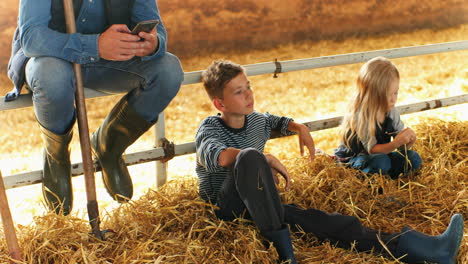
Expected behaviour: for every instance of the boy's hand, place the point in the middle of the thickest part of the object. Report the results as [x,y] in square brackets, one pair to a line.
[277,167]
[304,138]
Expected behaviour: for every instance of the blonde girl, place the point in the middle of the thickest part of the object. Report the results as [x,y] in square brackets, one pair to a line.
[373,138]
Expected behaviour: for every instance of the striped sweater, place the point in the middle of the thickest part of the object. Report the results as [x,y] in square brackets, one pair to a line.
[214,136]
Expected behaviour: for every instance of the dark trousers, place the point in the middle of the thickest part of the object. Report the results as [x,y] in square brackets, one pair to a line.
[249,191]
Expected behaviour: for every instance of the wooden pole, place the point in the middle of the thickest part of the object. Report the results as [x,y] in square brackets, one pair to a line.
[88,168]
[8,226]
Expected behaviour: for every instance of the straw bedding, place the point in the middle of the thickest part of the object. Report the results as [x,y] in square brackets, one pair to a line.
[173,225]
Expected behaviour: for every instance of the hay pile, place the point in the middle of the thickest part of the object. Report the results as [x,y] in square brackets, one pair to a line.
[173,225]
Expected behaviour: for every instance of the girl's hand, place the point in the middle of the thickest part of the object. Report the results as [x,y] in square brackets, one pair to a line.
[412,137]
[405,137]
[277,167]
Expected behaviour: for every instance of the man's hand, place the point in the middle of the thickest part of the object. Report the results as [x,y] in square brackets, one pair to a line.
[150,43]
[117,44]
[277,167]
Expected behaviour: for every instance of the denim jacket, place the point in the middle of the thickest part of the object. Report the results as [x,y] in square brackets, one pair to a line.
[42,20]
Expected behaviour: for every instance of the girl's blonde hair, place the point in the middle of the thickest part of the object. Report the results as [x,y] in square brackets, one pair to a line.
[374,79]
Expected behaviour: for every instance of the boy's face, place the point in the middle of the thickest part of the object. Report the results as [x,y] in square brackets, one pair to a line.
[238,97]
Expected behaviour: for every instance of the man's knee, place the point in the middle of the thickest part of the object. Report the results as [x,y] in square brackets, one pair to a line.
[50,78]
[170,69]
[49,70]
[167,76]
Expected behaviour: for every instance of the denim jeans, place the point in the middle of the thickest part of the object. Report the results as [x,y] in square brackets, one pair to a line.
[151,85]
[392,164]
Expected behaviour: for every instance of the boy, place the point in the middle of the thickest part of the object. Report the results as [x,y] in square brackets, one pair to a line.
[237,177]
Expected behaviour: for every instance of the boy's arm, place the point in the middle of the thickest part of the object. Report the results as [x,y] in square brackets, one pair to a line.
[304,138]
[209,146]
[227,157]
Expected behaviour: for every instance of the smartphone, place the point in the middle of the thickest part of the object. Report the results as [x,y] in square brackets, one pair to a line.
[145,26]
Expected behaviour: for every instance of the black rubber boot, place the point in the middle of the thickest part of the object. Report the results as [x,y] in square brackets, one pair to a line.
[56,178]
[442,249]
[120,129]
[282,241]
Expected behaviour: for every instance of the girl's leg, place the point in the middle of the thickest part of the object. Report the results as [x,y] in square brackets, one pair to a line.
[405,161]
[375,163]
[342,230]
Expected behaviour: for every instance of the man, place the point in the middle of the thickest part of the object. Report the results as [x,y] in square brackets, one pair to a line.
[113,61]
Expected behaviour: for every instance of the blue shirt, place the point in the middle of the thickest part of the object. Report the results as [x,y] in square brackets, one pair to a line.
[38,40]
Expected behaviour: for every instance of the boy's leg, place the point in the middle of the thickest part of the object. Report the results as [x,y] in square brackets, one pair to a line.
[417,247]
[151,85]
[342,230]
[405,161]
[250,186]
[409,245]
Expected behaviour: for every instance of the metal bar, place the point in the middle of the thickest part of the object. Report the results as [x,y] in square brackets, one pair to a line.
[403,109]
[33,177]
[25,100]
[335,60]
[161,167]
[294,65]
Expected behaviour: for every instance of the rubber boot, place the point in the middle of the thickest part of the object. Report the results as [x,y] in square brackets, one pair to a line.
[120,129]
[56,178]
[282,241]
[442,249]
